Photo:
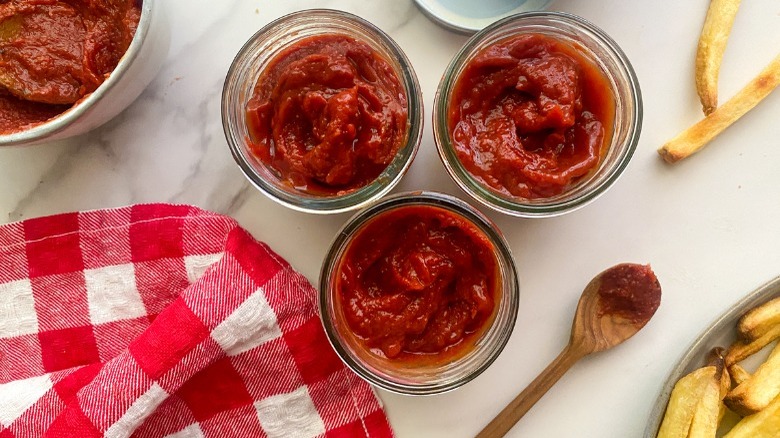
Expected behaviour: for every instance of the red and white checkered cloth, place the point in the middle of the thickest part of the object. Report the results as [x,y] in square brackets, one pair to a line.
[158,320]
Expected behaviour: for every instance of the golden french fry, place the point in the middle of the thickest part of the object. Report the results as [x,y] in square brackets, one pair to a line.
[757,392]
[710,409]
[721,413]
[706,416]
[764,424]
[712,44]
[725,383]
[683,402]
[716,358]
[697,405]
[738,374]
[758,321]
[729,420]
[698,135]
[741,349]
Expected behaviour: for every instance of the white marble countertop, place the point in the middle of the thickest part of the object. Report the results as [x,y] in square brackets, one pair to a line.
[710,226]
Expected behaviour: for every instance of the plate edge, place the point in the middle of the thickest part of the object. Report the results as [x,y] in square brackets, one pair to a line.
[694,351]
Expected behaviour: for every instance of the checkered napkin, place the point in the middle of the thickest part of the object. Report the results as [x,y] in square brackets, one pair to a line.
[158,320]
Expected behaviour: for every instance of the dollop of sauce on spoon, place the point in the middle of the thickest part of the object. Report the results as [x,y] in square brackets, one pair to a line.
[629,291]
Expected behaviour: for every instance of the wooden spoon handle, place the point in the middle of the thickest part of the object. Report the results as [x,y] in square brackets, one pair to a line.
[515,410]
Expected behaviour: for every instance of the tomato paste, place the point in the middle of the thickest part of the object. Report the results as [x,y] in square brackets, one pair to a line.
[631,292]
[530,115]
[418,280]
[55,52]
[328,114]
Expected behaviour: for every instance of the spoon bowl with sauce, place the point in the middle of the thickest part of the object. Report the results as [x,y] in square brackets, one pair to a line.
[614,306]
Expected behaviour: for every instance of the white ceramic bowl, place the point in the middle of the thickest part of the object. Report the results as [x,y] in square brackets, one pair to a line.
[135,70]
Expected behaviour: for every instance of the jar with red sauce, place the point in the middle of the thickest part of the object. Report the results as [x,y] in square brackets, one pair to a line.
[322,111]
[419,293]
[538,114]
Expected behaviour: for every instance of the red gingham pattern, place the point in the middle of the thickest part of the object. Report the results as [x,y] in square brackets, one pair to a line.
[155,320]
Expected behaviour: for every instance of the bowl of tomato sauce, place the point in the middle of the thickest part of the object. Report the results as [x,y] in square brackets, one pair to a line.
[67,67]
[322,111]
[419,293]
[538,114]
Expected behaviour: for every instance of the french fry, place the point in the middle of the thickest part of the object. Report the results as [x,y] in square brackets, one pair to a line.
[697,136]
[738,374]
[740,350]
[706,416]
[685,397]
[697,404]
[757,392]
[764,424]
[709,409]
[709,54]
[716,358]
[760,320]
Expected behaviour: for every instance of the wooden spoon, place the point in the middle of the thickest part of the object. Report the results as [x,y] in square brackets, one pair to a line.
[615,305]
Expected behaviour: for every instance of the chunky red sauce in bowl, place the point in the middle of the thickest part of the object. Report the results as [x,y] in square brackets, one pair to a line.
[328,114]
[322,111]
[530,116]
[416,281]
[69,66]
[538,114]
[54,54]
[419,293]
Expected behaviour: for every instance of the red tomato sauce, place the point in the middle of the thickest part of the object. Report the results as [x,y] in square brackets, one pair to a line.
[631,292]
[17,114]
[53,53]
[530,115]
[328,115]
[416,281]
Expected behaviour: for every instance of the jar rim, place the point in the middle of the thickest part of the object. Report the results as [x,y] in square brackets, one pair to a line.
[553,25]
[491,343]
[316,22]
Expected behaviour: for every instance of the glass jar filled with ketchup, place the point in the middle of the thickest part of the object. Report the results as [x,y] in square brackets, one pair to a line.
[419,293]
[538,114]
[322,111]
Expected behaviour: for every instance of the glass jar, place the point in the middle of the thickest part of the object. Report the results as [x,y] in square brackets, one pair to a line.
[597,47]
[434,374]
[256,56]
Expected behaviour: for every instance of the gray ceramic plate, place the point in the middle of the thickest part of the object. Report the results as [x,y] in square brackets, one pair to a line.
[720,333]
